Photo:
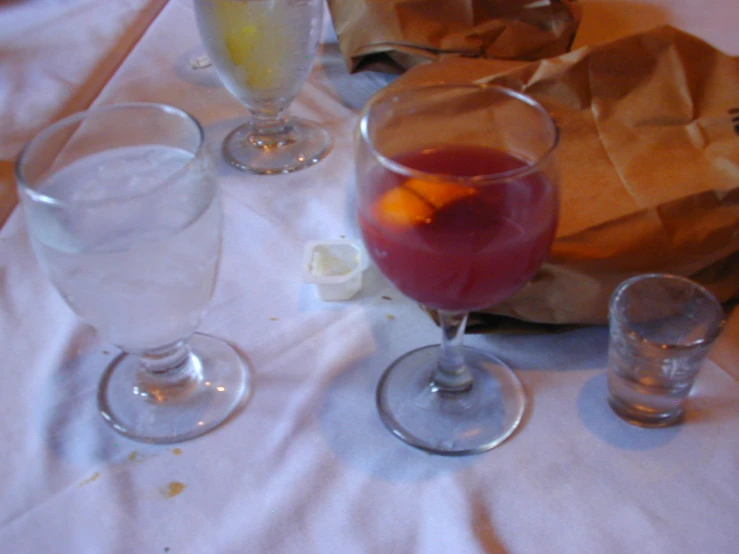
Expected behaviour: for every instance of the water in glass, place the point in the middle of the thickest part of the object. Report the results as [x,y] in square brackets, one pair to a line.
[142,280]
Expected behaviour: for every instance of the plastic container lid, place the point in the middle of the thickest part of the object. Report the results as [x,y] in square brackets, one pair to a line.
[335,267]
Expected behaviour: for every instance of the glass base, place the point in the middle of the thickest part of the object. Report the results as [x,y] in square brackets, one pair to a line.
[642,417]
[220,382]
[451,424]
[306,144]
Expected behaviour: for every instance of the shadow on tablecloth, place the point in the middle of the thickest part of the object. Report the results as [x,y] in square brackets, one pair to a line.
[355,433]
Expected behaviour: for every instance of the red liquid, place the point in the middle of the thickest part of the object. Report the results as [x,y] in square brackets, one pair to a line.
[473,251]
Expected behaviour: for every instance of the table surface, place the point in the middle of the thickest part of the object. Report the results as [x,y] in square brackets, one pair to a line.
[307,466]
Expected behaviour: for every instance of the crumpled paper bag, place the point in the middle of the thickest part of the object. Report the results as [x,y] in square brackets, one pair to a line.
[649,162]
[394,35]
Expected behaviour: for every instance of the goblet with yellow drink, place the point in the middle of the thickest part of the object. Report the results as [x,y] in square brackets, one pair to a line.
[263,51]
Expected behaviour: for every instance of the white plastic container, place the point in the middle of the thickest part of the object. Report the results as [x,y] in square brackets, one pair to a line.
[335,267]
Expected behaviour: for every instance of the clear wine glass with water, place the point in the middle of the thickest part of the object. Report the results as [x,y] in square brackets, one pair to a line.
[457,194]
[263,51]
[123,212]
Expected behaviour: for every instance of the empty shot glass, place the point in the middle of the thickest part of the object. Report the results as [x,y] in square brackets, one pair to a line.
[661,329]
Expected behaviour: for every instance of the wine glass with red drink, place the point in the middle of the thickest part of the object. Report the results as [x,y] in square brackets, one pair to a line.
[457,194]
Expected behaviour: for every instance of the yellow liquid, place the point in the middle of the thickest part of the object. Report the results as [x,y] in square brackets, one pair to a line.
[256,40]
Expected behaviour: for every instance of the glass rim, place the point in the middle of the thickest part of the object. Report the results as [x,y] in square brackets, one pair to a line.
[76,117]
[620,318]
[407,171]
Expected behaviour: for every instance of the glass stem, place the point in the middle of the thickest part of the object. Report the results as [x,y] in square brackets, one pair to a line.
[452,374]
[168,372]
[270,130]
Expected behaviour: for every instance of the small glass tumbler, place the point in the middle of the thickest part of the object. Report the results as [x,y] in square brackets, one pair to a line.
[661,329]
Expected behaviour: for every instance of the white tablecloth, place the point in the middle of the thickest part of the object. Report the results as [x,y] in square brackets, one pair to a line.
[55,56]
[307,466]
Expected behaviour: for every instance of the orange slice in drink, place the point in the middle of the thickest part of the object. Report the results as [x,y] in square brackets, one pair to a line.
[402,207]
[437,193]
[416,200]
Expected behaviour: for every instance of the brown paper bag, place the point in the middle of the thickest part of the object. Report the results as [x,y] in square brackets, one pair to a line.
[649,159]
[393,35]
